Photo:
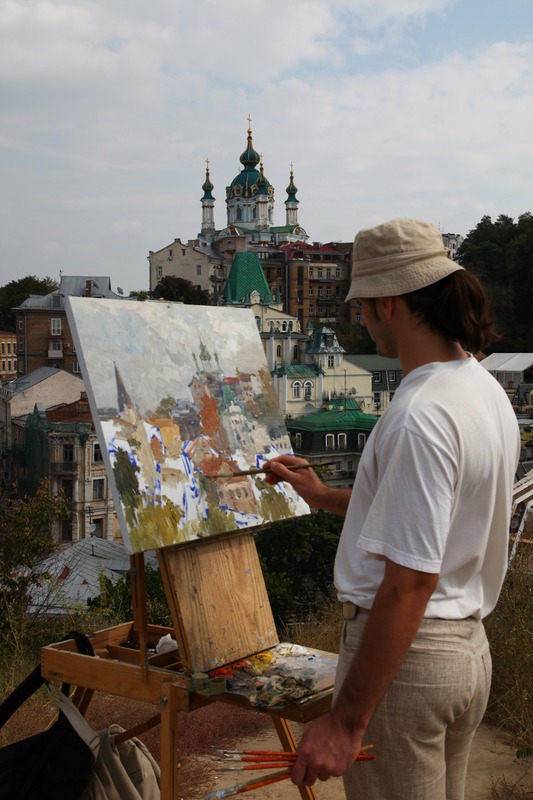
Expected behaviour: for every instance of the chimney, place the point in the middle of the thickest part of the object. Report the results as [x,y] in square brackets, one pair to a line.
[88,288]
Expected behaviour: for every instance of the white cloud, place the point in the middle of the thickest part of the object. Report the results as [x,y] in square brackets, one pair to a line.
[110,110]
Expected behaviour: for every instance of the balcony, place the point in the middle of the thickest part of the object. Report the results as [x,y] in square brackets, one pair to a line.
[63,467]
[55,354]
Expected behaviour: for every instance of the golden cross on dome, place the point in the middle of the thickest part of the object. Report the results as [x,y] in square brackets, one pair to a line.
[249,121]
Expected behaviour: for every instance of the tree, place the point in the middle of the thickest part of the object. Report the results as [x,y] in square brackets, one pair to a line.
[297,556]
[115,600]
[180,290]
[140,294]
[501,254]
[15,292]
[25,540]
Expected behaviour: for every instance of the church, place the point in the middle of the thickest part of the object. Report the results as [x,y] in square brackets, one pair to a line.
[308,281]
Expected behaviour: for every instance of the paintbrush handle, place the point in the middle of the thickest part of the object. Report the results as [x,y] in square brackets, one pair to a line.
[221,794]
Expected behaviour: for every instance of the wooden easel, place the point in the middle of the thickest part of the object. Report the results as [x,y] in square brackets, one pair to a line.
[221,613]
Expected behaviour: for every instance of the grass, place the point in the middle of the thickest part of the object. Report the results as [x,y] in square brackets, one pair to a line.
[510,633]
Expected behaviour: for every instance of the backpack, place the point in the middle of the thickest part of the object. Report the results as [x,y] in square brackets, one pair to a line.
[70,761]
[52,765]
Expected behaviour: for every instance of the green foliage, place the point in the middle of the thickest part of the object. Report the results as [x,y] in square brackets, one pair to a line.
[25,540]
[355,338]
[501,254]
[15,292]
[509,630]
[297,557]
[140,294]
[114,602]
[180,290]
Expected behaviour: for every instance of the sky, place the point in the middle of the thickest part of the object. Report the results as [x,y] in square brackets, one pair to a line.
[386,108]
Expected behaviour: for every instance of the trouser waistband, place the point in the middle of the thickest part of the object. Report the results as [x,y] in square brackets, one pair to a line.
[350,610]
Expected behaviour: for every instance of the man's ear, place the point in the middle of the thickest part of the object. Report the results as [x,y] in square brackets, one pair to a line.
[387,306]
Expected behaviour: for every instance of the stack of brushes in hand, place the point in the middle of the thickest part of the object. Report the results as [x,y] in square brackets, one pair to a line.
[261,759]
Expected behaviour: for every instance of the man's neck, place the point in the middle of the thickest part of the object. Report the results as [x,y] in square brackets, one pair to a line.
[424,347]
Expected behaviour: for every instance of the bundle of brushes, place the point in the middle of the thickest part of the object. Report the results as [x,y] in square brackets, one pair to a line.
[261,759]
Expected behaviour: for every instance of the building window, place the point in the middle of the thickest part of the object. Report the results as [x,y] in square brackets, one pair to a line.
[349,465]
[311,291]
[159,273]
[66,530]
[55,326]
[391,376]
[170,255]
[99,489]
[295,352]
[311,310]
[331,362]
[296,389]
[20,324]
[376,398]
[311,272]
[376,377]
[361,440]
[308,390]
[319,273]
[97,454]
[337,310]
[76,366]
[98,528]
[278,351]
[391,395]
[337,466]
[55,344]
[297,441]
[330,441]
[68,452]
[341,441]
[198,269]
[3,365]
[338,272]
[258,323]
[320,291]
[328,291]
[328,274]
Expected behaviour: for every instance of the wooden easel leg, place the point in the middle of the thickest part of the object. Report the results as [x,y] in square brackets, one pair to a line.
[82,698]
[169,743]
[288,742]
[140,617]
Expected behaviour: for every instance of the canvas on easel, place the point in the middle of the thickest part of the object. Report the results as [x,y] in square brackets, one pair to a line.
[182,401]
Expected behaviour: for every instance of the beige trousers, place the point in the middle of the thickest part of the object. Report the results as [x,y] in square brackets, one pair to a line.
[423,728]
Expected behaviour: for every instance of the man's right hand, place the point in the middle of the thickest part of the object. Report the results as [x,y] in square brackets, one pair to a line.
[308,485]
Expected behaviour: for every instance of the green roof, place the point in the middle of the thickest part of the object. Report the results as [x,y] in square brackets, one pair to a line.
[246,275]
[331,417]
[298,370]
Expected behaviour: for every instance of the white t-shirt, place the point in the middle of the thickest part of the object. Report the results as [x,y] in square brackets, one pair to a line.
[433,491]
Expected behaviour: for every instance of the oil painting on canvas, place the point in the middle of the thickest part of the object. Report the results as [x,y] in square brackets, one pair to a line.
[183,401]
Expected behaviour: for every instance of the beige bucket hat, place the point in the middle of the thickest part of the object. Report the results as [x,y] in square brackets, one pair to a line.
[397,257]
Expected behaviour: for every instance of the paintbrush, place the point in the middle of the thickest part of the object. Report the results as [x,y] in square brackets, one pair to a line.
[248,786]
[240,472]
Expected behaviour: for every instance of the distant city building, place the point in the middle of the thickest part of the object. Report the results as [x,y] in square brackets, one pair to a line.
[335,435]
[43,334]
[59,445]
[8,349]
[453,242]
[386,378]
